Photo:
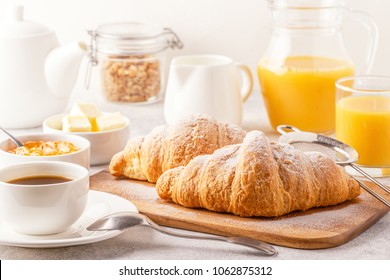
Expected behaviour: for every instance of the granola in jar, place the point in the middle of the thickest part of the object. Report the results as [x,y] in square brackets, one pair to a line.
[131,60]
[134,78]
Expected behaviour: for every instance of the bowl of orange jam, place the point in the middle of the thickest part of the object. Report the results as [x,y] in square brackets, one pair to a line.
[46,147]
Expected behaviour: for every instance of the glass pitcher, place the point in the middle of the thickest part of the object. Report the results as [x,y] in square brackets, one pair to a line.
[304,58]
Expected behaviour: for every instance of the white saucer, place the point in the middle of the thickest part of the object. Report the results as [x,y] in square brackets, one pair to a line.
[99,204]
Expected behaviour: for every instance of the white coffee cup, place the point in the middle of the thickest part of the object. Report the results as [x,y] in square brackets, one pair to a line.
[207,84]
[40,209]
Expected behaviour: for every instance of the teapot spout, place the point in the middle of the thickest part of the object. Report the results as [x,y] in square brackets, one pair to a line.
[62,67]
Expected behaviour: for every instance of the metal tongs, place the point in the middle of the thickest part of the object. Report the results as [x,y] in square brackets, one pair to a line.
[341,153]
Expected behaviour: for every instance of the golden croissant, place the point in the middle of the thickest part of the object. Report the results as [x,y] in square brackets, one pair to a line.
[258,178]
[169,146]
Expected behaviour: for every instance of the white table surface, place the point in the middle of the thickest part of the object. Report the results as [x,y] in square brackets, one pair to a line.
[144,243]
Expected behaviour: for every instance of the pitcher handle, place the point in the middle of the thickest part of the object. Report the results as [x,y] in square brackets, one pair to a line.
[247,81]
[368,22]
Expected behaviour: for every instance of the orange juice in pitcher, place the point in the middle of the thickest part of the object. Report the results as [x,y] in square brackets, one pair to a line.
[301,91]
[304,58]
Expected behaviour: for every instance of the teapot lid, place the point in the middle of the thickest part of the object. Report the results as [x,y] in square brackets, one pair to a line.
[16,26]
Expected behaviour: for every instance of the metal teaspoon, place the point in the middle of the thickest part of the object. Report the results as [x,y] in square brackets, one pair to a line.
[13,138]
[126,220]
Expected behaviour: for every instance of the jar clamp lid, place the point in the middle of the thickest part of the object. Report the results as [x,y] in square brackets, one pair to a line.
[129,38]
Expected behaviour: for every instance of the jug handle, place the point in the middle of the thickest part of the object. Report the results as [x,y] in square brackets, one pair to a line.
[247,81]
[372,28]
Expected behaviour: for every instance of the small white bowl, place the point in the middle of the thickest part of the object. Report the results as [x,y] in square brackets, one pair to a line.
[45,208]
[104,144]
[81,157]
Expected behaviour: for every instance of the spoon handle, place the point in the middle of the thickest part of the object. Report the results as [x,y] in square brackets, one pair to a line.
[265,248]
[16,141]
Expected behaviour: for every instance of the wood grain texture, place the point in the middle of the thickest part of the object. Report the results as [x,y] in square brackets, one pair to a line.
[313,229]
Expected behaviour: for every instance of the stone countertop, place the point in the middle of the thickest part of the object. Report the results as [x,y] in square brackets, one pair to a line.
[143,243]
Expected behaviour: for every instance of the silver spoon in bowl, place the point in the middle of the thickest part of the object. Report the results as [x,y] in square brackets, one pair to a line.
[126,220]
[13,138]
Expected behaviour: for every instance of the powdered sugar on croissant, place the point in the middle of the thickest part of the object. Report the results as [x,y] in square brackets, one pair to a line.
[169,146]
[258,178]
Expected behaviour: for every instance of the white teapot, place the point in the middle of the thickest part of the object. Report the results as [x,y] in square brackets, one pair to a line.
[36,74]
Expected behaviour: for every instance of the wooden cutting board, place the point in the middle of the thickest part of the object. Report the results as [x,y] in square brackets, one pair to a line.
[313,229]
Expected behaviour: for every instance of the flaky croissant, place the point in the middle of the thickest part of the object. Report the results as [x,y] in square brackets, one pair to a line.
[258,178]
[169,146]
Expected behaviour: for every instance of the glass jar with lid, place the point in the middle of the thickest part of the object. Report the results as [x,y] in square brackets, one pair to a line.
[131,60]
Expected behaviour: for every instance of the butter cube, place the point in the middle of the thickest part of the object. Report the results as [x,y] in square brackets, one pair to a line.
[88,110]
[85,109]
[110,121]
[76,124]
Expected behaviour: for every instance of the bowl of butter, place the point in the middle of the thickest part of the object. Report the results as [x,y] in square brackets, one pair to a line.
[108,132]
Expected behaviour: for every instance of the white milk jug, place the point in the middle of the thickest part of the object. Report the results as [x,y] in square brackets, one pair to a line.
[207,84]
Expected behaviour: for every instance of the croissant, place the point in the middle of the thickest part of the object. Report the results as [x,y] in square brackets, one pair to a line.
[169,146]
[258,178]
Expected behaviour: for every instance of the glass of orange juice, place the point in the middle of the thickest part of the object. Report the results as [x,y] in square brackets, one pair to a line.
[363,120]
